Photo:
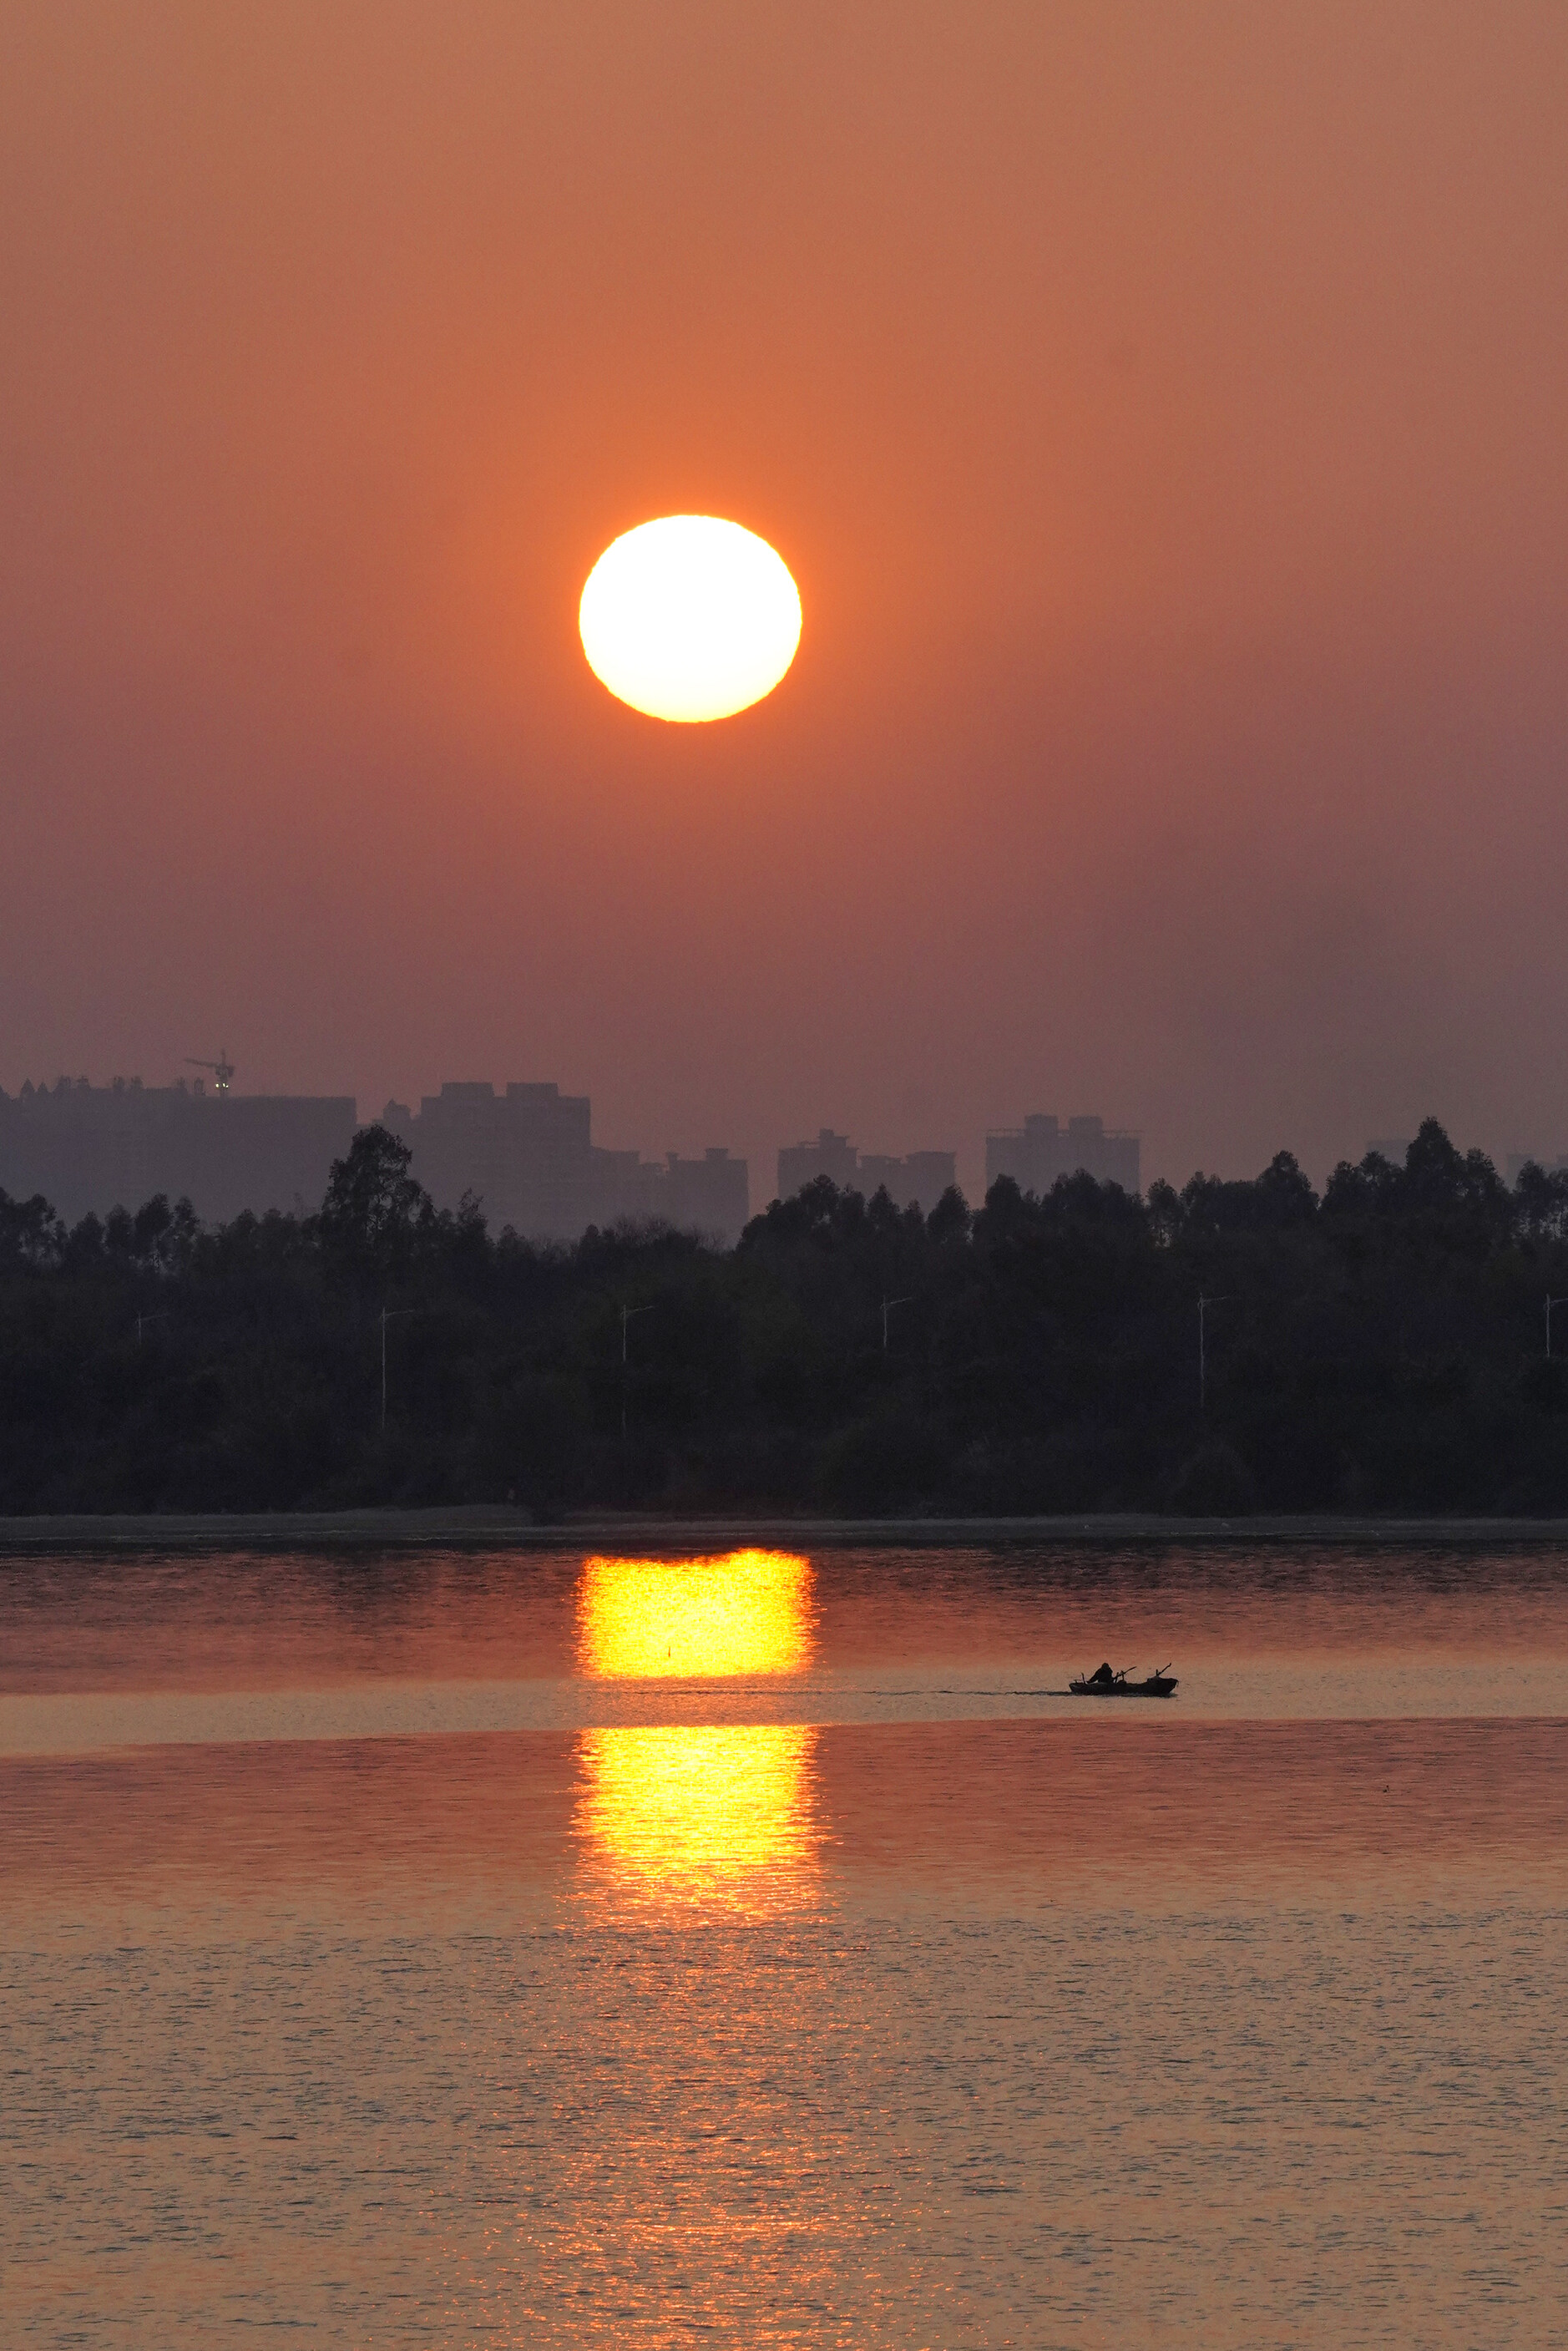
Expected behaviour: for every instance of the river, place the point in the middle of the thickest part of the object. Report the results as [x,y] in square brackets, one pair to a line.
[537,1949]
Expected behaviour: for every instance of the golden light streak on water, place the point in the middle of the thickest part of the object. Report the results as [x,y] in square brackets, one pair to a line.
[701,1813]
[688,1811]
[746,1612]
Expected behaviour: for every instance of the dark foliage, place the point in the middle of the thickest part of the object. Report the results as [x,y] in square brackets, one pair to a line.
[1382,1348]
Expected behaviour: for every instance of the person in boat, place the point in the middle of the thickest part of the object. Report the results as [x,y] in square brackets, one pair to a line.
[1108,1683]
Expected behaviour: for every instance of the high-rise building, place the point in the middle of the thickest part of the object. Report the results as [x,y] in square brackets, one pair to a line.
[94,1148]
[922,1177]
[710,1194]
[525,1154]
[833,1156]
[529,1157]
[1042,1149]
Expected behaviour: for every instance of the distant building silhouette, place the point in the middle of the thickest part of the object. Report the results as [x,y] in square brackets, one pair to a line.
[526,1154]
[529,1157]
[922,1177]
[93,1148]
[710,1194]
[1518,1161]
[1035,1154]
[833,1156]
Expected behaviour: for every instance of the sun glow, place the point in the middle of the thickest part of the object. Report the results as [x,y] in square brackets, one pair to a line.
[747,1613]
[690,617]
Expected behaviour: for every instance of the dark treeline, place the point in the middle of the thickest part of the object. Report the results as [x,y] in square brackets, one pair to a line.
[1382,1347]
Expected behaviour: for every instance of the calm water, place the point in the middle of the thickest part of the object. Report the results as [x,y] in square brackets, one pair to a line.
[542,1951]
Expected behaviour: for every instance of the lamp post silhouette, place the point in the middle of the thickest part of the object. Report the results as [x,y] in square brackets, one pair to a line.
[1204,1305]
[389,1314]
[888,1306]
[1551,1303]
[627,1314]
[144,1320]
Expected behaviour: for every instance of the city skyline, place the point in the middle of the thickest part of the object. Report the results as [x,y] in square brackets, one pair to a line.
[677,1126]
[912,1133]
[467,1138]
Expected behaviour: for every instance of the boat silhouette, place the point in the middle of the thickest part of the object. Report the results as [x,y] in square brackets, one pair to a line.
[1104,1683]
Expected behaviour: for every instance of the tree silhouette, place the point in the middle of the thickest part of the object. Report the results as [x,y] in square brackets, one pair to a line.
[374,1210]
[1383,1348]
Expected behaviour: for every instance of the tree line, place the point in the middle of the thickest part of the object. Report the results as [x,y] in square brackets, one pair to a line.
[1383,1346]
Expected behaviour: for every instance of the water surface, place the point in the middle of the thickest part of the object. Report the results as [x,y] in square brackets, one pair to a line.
[480,1950]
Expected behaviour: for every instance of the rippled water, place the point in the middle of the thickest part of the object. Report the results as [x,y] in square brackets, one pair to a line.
[531,1949]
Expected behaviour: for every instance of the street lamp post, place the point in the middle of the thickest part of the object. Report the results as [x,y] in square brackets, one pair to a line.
[627,1315]
[389,1314]
[1203,1306]
[1551,1303]
[888,1306]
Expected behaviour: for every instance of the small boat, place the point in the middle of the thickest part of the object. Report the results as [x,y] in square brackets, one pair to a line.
[1106,1683]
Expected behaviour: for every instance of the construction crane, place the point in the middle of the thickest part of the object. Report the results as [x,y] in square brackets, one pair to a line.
[223,1070]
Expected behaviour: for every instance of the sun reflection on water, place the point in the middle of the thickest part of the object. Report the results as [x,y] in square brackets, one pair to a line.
[698,1812]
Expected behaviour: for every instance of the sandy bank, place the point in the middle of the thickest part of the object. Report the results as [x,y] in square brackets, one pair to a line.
[484,1526]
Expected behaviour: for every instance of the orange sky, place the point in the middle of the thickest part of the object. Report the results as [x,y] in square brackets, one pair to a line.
[1161,410]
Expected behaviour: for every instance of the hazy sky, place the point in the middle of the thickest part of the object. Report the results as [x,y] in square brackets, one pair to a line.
[1162,410]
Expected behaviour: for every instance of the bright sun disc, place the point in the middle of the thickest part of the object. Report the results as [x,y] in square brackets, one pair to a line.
[690,617]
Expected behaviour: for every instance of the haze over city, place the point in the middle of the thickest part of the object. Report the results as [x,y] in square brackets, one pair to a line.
[1159,413]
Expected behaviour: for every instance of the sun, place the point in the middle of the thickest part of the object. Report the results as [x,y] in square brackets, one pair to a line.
[690,617]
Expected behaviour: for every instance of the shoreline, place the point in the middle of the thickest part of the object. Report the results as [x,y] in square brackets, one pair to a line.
[495,1526]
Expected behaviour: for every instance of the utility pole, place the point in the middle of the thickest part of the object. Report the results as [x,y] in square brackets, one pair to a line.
[888,1306]
[389,1314]
[627,1315]
[1551,1303]
[1203,1306]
